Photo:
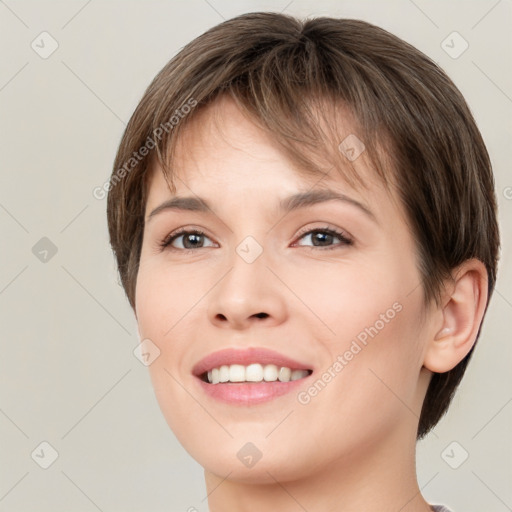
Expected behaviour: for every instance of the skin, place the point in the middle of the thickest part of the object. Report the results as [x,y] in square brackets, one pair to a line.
[352,447]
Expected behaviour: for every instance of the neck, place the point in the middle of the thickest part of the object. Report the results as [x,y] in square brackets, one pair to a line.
[382,479]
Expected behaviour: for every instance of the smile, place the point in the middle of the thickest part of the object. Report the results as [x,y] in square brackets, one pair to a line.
[254,372]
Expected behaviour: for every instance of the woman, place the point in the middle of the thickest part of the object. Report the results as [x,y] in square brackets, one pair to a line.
[304,220]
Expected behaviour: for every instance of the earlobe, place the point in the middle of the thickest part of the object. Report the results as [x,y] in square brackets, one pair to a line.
[462,313]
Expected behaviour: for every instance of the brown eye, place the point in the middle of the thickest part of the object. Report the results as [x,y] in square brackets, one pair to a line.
[190,240]
[325,238]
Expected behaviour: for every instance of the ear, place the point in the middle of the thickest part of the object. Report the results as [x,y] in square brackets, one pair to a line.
[460,316]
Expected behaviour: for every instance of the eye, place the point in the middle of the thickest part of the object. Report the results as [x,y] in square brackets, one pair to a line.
[324,237]
[192,239]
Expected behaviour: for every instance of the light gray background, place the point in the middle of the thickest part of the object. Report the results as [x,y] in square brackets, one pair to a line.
[67,371]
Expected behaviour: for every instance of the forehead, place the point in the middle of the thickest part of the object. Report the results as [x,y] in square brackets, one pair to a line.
[223,146]
[222,123]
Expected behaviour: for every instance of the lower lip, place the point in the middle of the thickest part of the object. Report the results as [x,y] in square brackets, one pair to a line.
[249,393]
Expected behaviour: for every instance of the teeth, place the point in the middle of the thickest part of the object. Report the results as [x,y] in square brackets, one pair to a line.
[298,374]
[224,373]
[284,374]
[254,373]
[236,373]
[270,373]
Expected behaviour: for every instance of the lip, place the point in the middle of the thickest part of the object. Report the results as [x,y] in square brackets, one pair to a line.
[248,393]
[245,357]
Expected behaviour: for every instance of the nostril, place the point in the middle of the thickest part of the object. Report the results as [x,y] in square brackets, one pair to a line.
[261,315]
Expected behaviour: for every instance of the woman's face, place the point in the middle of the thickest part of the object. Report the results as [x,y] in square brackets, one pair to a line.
[332,285]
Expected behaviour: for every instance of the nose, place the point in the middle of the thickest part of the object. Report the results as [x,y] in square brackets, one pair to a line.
[248,294]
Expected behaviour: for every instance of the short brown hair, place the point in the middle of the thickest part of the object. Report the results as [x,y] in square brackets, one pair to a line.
[275,67]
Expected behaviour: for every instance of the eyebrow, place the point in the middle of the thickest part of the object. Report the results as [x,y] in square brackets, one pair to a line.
[286,205]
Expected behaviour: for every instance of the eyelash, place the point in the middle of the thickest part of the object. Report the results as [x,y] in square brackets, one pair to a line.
[166,242]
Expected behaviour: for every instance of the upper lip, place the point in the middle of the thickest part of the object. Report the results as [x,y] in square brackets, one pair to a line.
[245,357]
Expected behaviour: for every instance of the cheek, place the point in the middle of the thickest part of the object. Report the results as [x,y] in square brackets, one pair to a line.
[164,299]
[366,388]
[169,300]
[348,297]
[367,317]
[380,348]
[164,296]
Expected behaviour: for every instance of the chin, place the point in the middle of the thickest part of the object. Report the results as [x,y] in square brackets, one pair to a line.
[263,472]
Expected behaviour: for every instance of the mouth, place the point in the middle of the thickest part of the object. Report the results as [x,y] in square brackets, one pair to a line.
[254,373]
[249,376]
